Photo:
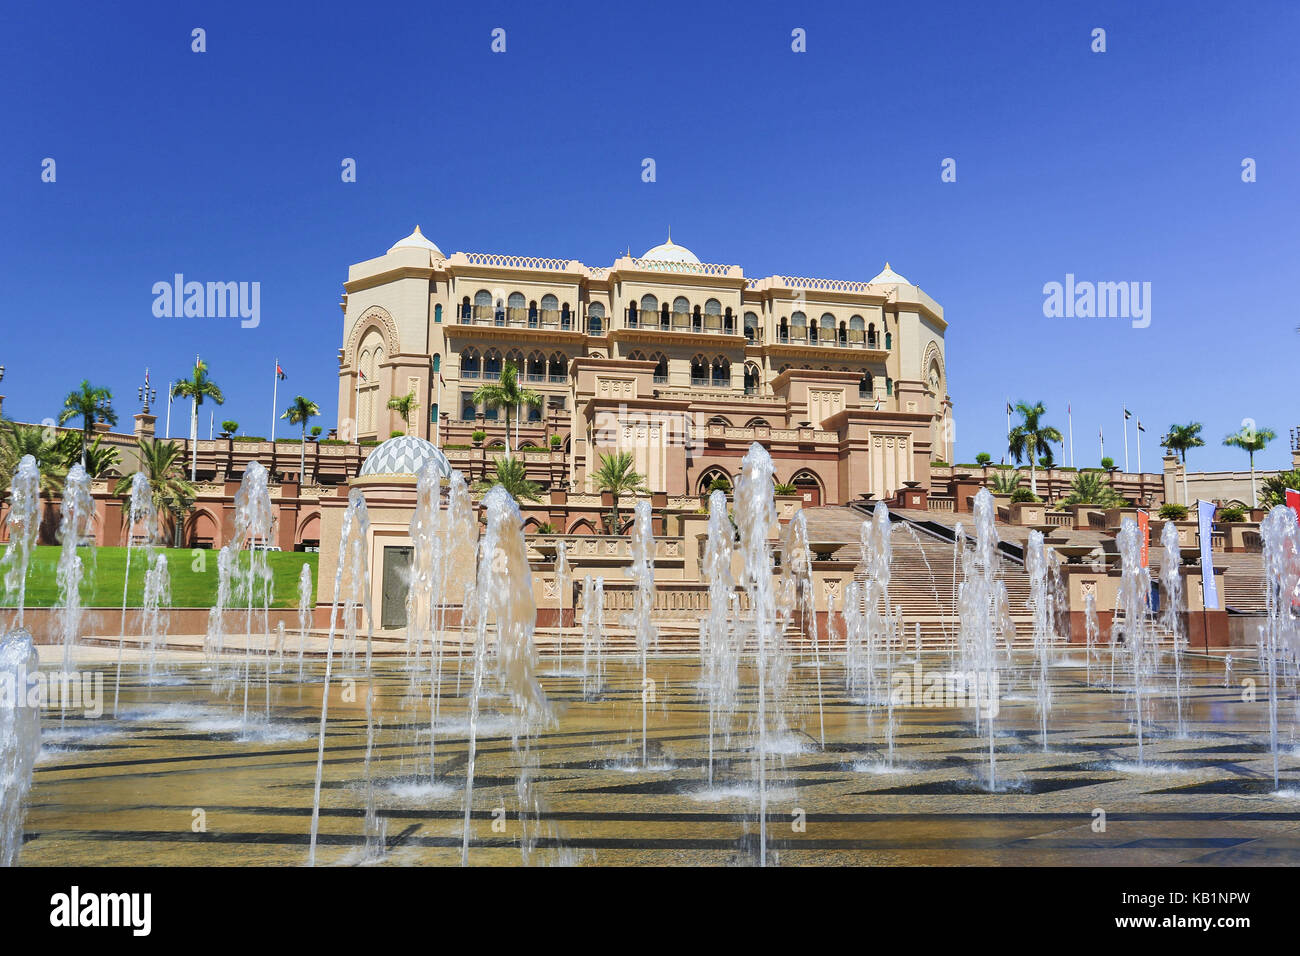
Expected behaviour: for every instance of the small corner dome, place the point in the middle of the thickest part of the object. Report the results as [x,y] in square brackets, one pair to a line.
[671,252]
[404,455]
[888,276]
[416,240]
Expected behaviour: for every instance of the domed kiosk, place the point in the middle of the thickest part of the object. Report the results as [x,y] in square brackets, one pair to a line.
[387,482]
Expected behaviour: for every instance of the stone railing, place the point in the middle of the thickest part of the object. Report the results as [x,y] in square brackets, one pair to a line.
[697,268]
[945,503]
[605,547]
[671,598]
[730,433]
[1060,519]
[516,262]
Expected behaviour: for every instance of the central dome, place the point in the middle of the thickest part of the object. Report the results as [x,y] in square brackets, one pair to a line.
[404,455]
[417,240]
[671,252]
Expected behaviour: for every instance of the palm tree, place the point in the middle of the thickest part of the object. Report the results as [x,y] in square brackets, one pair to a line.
[404,406]
[513,477]
[617,476]
[1251,439]
[299,413]
[196,388]
[161,462]
[506,393]
[1005,482]
[99,459]
[51,455]
[1032,438]
[1088,488]
[1179,439]
[88,402]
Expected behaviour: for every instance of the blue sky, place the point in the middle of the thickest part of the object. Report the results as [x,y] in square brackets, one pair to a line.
[1118,166]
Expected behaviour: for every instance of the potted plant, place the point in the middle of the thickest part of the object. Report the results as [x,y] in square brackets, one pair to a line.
[478,437]
[556,442]
[314,434]
[228,428]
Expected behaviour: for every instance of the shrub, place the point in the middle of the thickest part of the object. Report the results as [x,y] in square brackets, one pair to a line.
[1004,484]
[556,441]
[315,431]
[983,458]
[1272,490]
[939,463]
[229,427]
[1173,512]
[1231,514]
[719,484]
[1108,463]
[1089,488]
[478,436]
[785,488]
[396,433]
[334,441]
[1023,495]
[249,438]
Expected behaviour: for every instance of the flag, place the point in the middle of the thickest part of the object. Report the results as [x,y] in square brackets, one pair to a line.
[1293,502]
[1205,523]
[1127,414]
[279,372]
[1144,529]
[361,374]
[1008,408]
[1067,408]
[1140,428]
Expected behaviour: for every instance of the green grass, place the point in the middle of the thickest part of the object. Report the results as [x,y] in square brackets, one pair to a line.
[193,576]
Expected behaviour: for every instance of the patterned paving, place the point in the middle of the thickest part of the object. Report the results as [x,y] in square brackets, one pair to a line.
[129,791]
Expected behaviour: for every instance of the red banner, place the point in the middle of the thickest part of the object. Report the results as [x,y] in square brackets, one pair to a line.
[1144,529]
[1293,502]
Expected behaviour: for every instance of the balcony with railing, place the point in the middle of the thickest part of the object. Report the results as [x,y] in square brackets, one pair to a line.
[820,337]
[686,322]
[554,320]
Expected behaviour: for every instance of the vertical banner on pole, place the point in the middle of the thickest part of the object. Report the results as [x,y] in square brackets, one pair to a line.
[1144,529]
[1205,525]
[1293,502]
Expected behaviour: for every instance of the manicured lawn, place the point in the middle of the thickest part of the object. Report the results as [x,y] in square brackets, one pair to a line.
[193,576]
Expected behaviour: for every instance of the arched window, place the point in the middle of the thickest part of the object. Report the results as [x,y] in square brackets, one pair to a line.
[857,334]
[437,362]
[712,307]
[807,485]
[518,307]
[751,327]
[492,364]
[710,476]
[871,335]
[649,303]
[437,314]
[665,317]
[889,385]
[751,378]
[661,368]
[636,355]
[566,317]
[728,321]
[719,420]
[466,312]
[536,367]
[783,331]
[516,358]
[798,327]
[595,319]
[550,311]
[632,315]
[721,372]
[699,370]
[470,363]
[556,371]
[866,386]
[680,305]
[483,298]
[889,340]
[826,334]
[758,423]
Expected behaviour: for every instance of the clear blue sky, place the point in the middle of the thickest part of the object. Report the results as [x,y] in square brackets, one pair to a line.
[225,166]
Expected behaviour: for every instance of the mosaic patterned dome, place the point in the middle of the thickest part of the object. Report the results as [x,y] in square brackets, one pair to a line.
[404,455]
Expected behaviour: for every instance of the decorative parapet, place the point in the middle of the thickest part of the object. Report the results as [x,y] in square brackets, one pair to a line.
[688,268]
[730,433]
[586,547]
[512,262]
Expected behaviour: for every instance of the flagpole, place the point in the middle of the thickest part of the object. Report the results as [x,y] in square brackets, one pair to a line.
[169,409]
[1101,440]
[437,418]
[356,407]
[1126,441]
[1008,431]
[1139,439]
[275,395]
[1069,414]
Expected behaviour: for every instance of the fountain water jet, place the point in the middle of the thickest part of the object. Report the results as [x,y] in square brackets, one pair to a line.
[1135,589]
[642,573]
[253,531]
[1040,602]
[1280,635]
[75,526]
[1171,585]
[24,522]
[718,647]
[141,514]
[20,738]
